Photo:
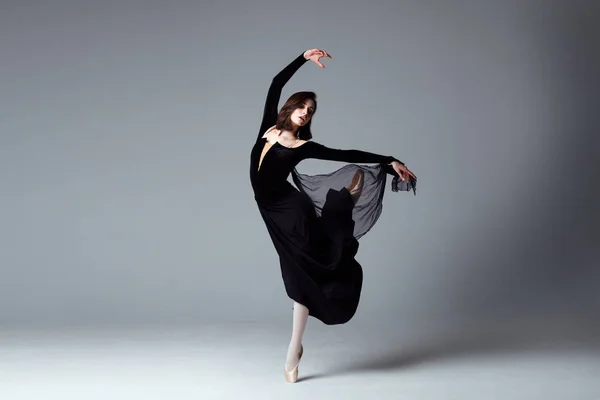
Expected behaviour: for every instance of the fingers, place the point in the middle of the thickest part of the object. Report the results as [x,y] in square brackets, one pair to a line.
[323,53]
[316,61]
[316,54]
[408,172]
[400,173]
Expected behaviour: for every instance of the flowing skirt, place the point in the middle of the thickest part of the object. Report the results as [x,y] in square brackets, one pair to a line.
[315,231]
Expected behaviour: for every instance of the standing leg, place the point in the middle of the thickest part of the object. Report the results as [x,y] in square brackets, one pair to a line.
[300,317]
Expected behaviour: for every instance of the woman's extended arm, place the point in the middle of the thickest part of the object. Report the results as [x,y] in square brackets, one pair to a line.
[392,165]
[321,152]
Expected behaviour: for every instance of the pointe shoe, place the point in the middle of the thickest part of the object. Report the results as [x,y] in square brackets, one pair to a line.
[292,376]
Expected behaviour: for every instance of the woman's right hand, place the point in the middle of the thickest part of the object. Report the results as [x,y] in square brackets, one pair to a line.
[315,55]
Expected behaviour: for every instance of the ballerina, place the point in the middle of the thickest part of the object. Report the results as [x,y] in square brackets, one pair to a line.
[316,252]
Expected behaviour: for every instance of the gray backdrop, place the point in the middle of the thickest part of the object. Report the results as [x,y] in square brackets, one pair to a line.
[125,138]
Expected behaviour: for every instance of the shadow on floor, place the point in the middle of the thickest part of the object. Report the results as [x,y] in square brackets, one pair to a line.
[468,344]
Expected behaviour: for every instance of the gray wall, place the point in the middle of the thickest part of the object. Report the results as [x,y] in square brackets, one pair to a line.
[125,131]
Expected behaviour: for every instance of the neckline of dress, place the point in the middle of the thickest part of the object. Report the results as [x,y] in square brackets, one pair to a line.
[277,142]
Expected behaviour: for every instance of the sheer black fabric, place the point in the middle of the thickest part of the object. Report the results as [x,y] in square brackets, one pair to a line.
[314,226]
[368,208]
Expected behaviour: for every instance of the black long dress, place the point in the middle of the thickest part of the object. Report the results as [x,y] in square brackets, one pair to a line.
[315,227]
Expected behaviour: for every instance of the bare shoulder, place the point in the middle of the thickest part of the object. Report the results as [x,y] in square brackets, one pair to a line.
[271,132]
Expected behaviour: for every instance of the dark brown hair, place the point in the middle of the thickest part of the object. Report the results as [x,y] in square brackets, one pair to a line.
[296,101]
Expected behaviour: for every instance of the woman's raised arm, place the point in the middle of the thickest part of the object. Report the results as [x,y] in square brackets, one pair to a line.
[274,94]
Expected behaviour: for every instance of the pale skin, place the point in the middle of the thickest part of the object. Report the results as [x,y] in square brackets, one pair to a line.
[302,115]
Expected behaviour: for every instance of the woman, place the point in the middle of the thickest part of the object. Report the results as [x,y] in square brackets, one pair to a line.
[316,252]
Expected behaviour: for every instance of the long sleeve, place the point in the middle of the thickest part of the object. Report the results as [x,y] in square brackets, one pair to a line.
[273,95]
[321,152]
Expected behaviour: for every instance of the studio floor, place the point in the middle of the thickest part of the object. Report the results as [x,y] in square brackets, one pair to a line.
[245,361]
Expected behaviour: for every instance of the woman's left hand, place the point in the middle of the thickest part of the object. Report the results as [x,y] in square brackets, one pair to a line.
[315,55]
[402,170]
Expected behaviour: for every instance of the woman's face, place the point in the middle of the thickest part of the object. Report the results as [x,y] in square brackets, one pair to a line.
[303,114]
